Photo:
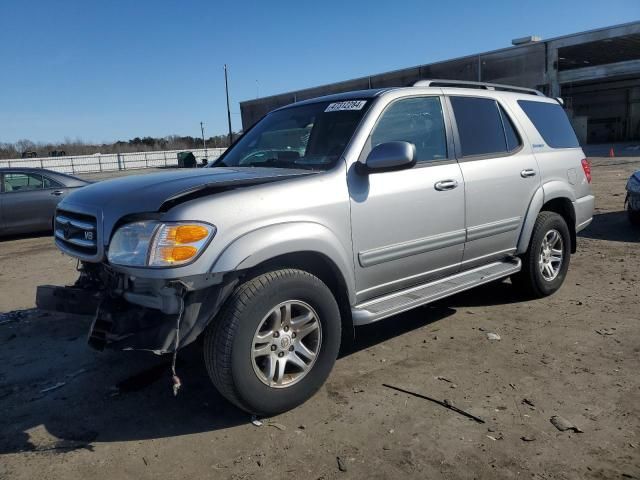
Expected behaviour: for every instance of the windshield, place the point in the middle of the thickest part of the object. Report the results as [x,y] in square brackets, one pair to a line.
[309,136]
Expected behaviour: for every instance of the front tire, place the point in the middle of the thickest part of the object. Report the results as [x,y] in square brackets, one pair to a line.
[546,261]
[634,216]
[275,342]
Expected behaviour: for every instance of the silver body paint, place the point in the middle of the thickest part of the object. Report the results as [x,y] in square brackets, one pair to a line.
[382,232]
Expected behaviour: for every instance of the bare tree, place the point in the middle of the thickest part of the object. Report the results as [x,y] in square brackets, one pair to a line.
[138,144]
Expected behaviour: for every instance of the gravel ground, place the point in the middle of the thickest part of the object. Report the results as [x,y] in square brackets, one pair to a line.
[69,412]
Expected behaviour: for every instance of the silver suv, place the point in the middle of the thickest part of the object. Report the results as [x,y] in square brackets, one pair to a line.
[328,214]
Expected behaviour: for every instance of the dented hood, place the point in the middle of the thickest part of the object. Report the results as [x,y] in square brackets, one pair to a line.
[148,192]
[113,199]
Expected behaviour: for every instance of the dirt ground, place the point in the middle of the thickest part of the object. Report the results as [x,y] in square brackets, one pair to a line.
[575,354]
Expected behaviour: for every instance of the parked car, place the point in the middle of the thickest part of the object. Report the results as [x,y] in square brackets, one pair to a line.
[29,196]
[398,197]
[632,200]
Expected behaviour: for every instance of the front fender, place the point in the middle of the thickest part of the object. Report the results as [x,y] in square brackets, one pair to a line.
[257,246]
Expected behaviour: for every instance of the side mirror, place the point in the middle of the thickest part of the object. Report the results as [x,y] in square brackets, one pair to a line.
[391,156]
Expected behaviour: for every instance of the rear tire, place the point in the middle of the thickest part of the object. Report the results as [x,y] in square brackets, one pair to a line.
[254,335]
[546,261]
[634,216]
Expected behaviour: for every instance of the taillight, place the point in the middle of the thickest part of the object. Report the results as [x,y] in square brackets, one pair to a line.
[586,166]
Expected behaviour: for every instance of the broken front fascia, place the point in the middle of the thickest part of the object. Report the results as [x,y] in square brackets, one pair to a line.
[134,313]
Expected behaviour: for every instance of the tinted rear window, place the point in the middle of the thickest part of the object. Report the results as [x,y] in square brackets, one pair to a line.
[552,123]
[479,126]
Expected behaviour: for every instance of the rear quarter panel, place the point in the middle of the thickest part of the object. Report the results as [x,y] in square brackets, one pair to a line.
[562,176]
[556,164]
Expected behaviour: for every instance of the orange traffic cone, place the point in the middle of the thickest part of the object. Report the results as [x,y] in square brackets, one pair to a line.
[612,153]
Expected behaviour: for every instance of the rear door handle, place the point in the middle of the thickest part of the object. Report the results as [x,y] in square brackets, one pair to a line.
[444,185]
[57,193]
[528,172]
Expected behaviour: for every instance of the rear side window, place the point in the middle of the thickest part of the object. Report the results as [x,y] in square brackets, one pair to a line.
[513,140]
[483,127]
[48,183]
[552,123]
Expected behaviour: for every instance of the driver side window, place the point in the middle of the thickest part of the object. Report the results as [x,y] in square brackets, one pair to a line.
[415,120]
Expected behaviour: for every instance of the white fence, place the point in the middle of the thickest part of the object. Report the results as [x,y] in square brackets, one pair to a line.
[110,161]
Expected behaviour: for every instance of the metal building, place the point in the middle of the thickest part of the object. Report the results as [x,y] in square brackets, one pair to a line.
[597,73]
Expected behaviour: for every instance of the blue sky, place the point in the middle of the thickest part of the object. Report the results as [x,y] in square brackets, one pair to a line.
[106,70]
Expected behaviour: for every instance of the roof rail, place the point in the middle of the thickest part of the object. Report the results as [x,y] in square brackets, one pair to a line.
[479,85]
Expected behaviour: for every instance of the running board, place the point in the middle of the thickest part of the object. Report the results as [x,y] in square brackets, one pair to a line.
[397,302]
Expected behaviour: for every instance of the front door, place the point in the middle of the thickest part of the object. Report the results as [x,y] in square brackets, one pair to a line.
[501,176]
[408,225]
[27,205]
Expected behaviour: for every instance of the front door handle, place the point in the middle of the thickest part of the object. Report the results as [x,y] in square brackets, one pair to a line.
[57,193]
[444,185]
[528,172]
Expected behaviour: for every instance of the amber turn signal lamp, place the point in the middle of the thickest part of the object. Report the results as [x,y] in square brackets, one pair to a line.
[177,254]
[186,233]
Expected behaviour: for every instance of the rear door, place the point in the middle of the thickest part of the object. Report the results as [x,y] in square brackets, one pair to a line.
[500,173]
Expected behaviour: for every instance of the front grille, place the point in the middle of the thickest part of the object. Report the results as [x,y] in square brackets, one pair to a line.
[77,232]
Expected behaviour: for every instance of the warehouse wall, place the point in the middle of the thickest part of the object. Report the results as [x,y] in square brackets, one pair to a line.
[523,66]
[592,69]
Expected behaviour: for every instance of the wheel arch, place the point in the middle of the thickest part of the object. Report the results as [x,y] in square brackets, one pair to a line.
[564,207]
[306,246]
[320,266]
[552,197]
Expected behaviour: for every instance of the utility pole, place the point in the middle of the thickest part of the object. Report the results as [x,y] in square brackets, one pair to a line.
[204,143]
[226,87]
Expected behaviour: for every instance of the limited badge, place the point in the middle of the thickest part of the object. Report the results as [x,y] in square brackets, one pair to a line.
[347,105]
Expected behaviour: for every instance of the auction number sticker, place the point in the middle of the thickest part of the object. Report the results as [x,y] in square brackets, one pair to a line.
[348,105]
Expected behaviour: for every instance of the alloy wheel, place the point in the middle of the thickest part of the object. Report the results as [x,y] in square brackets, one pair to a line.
[286,344]
[551,255]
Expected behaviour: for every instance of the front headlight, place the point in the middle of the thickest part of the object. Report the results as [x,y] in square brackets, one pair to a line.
[159,244]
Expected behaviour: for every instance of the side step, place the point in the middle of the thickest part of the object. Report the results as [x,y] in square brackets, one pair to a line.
[383,307]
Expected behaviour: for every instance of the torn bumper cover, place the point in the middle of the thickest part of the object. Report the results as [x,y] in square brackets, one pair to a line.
[121,325]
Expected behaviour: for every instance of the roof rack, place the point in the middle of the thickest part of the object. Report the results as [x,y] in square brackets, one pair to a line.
[479,85]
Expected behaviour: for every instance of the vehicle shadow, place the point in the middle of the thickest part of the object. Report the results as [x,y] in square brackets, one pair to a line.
[500,292]
[124,396]
[612,226]
[104,396]
[378,332]
[24,236]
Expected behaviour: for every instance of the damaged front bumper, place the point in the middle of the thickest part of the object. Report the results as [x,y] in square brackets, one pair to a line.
[135,313]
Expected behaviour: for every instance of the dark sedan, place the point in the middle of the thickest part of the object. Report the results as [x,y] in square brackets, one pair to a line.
[28,198]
